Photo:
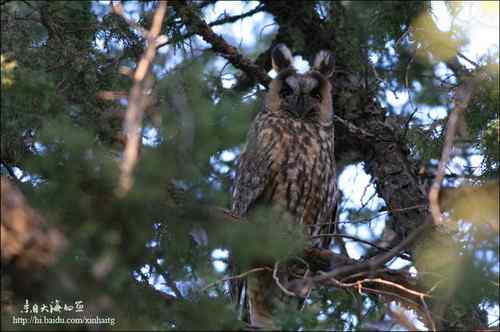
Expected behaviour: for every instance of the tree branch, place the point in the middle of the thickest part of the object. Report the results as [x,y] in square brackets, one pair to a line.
[117,8]
[353,129]
[228,19]
[219,45]
[462,97]
[357,239]
[378,260]
[359,283]
[138,101]
[278,283]
[239,276]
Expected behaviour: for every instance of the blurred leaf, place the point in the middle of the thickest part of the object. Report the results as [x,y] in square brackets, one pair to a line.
[440,44]
[476,204]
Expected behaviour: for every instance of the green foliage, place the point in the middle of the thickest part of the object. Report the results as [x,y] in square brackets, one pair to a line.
[268,235]
[217,314]
[481,120]
[465,272]
[31,99]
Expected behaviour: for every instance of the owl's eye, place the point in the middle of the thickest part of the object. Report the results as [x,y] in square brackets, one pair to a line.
[286,90]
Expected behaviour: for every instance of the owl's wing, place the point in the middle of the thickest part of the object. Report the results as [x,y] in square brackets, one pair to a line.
[254,169]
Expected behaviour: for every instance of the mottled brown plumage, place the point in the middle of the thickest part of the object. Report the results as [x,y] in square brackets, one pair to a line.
[288,160]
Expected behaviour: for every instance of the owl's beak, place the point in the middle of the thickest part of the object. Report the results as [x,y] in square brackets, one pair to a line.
[302,107]
[301,103]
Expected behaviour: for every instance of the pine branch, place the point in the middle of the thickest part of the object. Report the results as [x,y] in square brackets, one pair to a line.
[219,45]
[377,260]
[228,19]
[354,238]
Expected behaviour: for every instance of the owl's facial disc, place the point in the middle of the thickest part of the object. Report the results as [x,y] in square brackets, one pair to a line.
[301,95]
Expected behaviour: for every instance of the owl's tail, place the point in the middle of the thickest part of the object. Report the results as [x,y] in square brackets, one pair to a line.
[259,289]
[264,298]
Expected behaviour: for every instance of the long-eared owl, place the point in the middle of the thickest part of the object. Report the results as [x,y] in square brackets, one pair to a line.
[288,161]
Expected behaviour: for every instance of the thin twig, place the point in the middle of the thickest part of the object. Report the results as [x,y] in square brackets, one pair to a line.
[403,256]
[359,286]
[228,19]
[467,59]
[407,123]
[380,281]
[428,313]
[357,131]
[355,275]
[365,190]
[379,259]
[117,8]
[356,221]
[239,276]
[277,280]
[401,38]
[433,288]
[111,95]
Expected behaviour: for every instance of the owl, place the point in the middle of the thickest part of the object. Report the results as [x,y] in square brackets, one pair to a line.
[288,162]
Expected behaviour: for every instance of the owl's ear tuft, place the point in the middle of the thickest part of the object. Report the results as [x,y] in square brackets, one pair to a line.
[281,57]
[324,62]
